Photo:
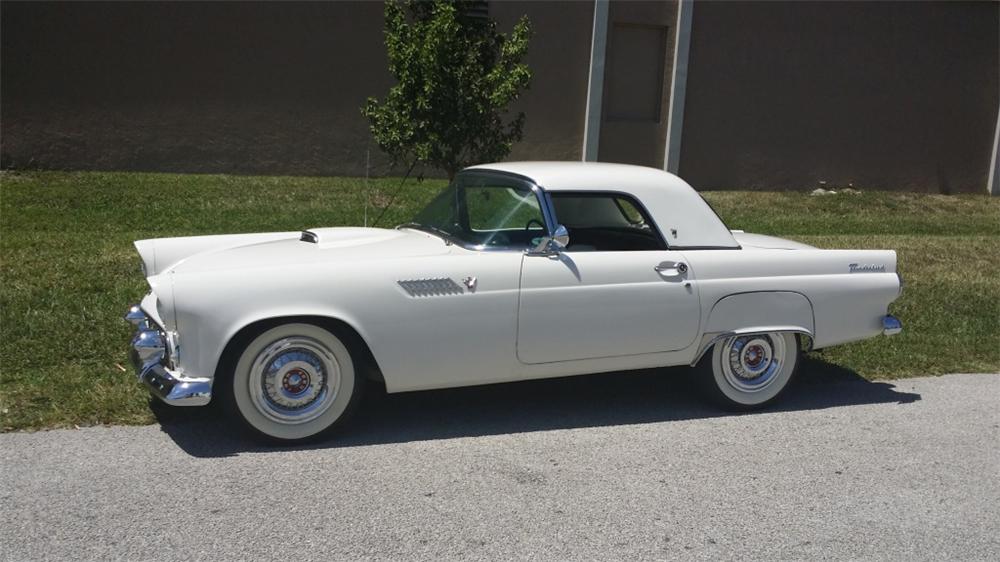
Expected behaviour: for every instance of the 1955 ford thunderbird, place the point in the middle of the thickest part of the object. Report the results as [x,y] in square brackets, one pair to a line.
[515,271]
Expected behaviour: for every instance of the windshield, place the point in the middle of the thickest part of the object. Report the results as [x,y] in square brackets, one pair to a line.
[484,210]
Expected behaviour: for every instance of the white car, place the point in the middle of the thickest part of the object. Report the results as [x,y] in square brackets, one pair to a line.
[515,271]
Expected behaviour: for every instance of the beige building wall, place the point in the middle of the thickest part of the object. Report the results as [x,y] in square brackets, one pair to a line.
[263,88]
[559,54]
[271,88]
[779,95]
[884,95]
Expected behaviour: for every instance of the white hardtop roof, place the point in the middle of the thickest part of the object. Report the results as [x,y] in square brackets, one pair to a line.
[586,176]
[684,218]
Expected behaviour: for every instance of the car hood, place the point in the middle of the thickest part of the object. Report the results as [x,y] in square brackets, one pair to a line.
[282,249]
[762,242]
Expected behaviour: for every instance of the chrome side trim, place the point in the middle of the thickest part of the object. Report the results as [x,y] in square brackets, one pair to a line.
[891,325]
[711,338]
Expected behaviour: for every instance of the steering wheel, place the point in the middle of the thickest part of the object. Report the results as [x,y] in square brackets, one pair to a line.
[527,225]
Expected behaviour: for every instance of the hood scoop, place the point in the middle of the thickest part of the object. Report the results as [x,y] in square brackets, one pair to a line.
[342,237]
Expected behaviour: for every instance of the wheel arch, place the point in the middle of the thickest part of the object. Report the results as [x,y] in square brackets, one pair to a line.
[344,330]
[757,312]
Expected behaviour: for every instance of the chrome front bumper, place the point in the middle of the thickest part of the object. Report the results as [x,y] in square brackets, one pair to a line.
[891,325]
[151,354]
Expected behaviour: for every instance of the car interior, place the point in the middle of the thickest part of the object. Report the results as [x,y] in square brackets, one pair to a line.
[605,223]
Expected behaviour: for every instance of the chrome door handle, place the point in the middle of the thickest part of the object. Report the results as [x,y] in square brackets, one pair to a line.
[671,268]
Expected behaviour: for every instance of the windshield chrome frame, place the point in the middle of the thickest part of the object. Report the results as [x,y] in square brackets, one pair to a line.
[544,203]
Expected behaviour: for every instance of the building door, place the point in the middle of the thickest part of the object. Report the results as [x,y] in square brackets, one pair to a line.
[639,61]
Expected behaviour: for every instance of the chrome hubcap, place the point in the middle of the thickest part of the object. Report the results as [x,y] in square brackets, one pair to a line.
[751,363]
[294,380]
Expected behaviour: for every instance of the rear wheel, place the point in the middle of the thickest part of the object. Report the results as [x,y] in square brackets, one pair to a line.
[750,371]
[294,382]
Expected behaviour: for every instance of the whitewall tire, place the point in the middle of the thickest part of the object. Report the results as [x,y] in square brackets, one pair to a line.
[750,371]
[294,382]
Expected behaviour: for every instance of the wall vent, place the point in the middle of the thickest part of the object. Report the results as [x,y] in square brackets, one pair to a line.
[477,9]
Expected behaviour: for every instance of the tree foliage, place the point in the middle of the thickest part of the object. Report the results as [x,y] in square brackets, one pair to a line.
[455,75]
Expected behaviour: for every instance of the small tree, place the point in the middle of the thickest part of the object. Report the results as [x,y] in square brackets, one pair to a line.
[455,76]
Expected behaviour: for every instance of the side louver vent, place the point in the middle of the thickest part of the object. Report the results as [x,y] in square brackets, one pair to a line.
[431,287]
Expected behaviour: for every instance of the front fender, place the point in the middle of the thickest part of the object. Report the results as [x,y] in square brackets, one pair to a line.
[213,337]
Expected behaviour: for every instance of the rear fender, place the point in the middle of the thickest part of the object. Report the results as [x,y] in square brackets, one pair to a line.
[757,312]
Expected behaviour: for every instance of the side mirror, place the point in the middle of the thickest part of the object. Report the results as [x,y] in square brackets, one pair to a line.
[554,244]
[561,238]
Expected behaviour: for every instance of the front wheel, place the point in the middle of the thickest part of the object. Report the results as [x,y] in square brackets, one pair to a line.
[750,371]
[294,382]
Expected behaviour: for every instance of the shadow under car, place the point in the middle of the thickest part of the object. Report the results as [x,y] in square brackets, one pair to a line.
[607,399]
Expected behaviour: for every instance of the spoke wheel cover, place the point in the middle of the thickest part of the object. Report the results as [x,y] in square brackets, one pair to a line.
[750,363]
[748,371]
[294,380]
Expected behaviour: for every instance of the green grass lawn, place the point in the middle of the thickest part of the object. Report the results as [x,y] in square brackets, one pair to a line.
[69,270]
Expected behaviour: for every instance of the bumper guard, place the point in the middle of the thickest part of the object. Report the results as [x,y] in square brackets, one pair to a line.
[149,356]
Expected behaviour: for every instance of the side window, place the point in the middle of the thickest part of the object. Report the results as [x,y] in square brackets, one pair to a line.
[599,222]
[632,214]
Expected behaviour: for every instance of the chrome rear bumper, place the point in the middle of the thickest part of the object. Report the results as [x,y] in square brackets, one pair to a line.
[891,325]
[150,357]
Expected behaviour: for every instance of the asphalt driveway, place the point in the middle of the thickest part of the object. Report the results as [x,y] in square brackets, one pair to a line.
[618,466]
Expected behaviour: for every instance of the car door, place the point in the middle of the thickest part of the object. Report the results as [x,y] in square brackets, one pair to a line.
[615,290]
[459,307]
